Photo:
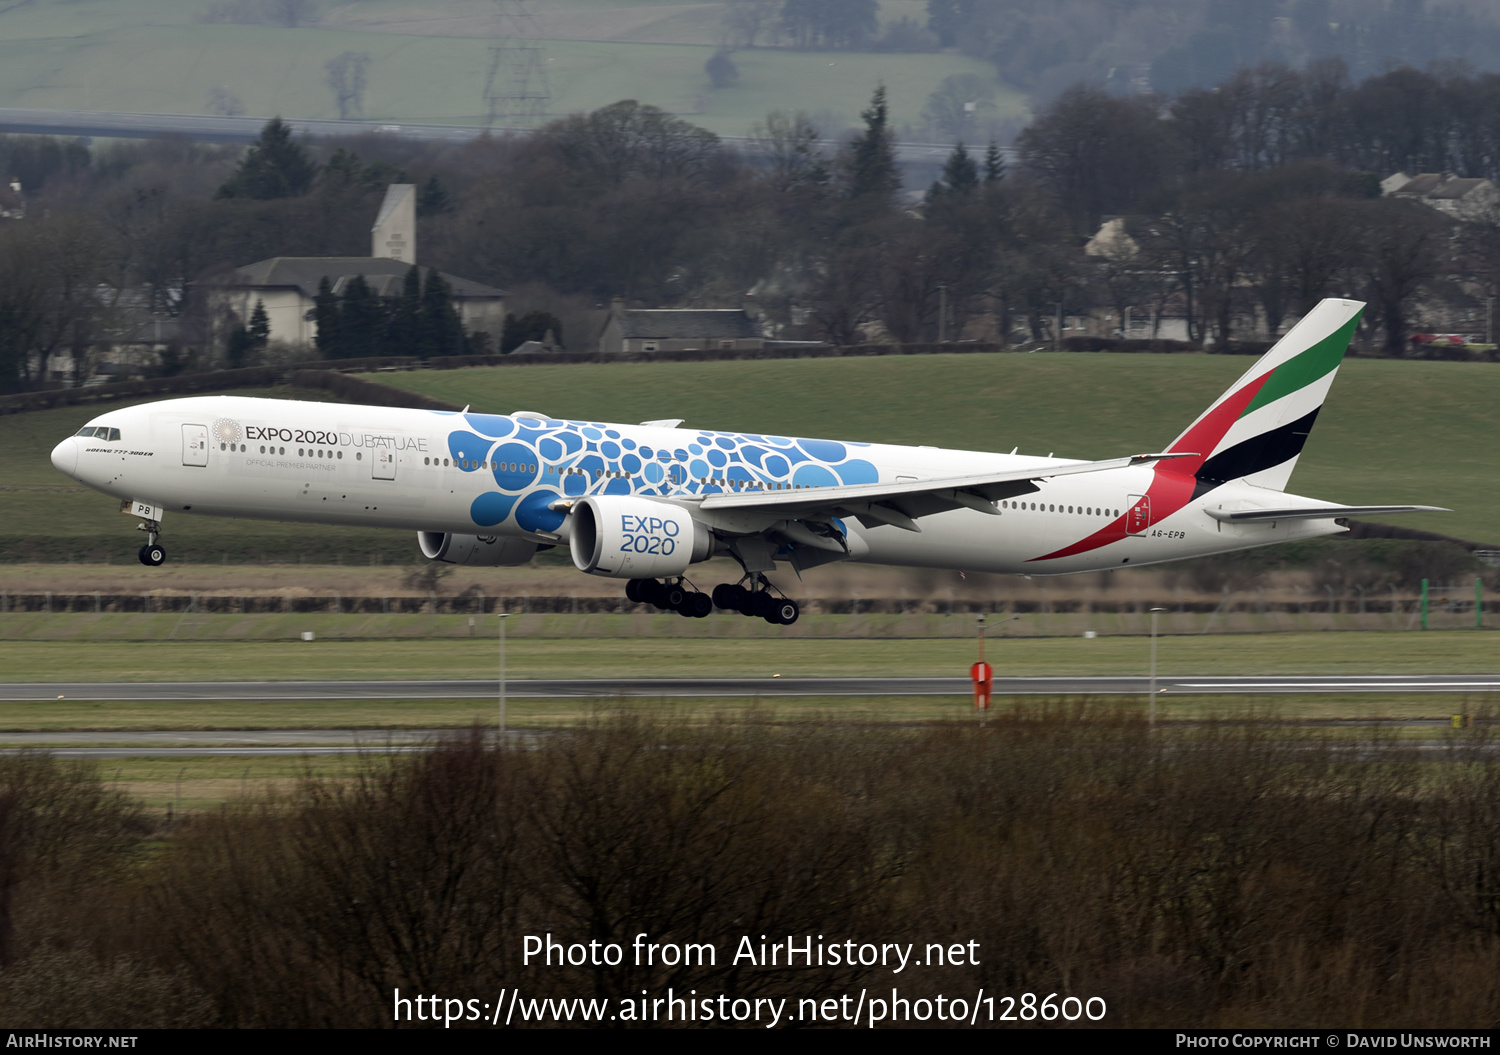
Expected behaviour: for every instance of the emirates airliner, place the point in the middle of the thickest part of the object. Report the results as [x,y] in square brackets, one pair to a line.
[647,502]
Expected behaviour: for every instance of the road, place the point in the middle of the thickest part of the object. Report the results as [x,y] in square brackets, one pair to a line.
[247,130]
[698,688]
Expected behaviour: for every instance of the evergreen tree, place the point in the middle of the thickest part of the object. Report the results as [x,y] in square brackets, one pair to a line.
[259,329]
[440,330]
[237,347]
[870,162]
[433,199]
[273,167]
[328,339]
[402,333]
[362,321]
[994,164]
[960,174]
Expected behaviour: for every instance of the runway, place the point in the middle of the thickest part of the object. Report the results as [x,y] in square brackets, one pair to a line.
[747,688]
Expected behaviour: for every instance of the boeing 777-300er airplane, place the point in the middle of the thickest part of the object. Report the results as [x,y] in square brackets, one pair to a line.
[646,502]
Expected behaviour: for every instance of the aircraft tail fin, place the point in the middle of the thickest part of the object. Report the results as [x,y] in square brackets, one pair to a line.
[1256,429]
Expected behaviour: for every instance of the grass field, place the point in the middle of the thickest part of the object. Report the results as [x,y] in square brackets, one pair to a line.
[1391,432]
[587,655]
[153,56]
[195,784]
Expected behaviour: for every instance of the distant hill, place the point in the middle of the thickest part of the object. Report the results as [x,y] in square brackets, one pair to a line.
[428,62]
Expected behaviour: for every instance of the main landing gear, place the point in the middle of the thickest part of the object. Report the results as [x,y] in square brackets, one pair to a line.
[151,554]
[677,596]
[670,596]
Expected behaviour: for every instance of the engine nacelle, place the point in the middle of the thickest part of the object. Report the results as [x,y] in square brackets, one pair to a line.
[635,538]
[486,551]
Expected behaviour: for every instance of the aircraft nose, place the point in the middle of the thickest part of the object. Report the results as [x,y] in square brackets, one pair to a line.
[65,456]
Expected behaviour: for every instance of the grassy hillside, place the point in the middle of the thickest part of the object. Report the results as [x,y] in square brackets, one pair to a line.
[1391,432]
[428,63]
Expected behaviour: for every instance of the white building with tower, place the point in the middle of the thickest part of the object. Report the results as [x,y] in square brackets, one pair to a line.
[288,285]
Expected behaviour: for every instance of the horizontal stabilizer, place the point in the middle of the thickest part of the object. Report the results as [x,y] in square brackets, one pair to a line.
[1316,512]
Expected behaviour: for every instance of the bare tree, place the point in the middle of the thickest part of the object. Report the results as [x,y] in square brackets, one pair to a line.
[224,102]
[746,20]
[346,76]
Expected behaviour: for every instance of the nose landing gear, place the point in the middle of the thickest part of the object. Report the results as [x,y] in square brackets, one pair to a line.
[151,554]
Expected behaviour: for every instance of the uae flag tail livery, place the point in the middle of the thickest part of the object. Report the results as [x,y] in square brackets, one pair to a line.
[649,503]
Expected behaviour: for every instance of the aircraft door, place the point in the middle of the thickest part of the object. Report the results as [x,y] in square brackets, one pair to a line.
[195,445]
[384,464]
[1138,519]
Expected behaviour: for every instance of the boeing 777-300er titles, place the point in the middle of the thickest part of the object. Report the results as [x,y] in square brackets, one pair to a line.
[646,502]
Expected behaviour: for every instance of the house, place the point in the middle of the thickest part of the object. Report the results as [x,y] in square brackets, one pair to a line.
[1459,197]
[288,285]
[12,205]
[634,330]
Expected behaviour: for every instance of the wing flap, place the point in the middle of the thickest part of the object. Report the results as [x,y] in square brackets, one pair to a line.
[1241,516]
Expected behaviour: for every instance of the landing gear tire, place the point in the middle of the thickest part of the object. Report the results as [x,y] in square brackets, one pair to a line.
[696,605]
[152,555]
[727,596]
[672,597]
[784,612]
[633,591]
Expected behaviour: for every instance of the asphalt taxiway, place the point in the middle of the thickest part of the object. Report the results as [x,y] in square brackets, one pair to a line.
[772,686]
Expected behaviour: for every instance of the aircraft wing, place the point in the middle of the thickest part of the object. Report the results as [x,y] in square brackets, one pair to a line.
[1316,512]
[900,504]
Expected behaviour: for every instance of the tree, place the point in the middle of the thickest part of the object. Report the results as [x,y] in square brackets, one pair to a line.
[346,77]
[747,19]
[328,339]
[628,140]
[433,199]
[1094,153]
[224,102]
[948,18]
[1404,253]
[960,175]
[790,141]
[830,23]
[403,332]
[274,167]
[533,326]
[440,330]
[869,161]
[361,320]
[842,296]
[721,70]
[994,164]
[959,104]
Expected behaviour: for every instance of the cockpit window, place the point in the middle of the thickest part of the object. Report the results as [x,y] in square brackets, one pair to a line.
[87,430]
[114,434]
[99,432]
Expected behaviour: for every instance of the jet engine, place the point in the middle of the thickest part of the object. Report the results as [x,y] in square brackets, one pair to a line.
[487,551]
[635,538]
